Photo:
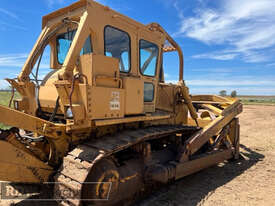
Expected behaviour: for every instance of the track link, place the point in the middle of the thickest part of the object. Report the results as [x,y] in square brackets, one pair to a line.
[78,163]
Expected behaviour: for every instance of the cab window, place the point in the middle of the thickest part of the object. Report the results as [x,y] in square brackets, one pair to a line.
[117,45]
[148,92]
[148,58]
[63,43]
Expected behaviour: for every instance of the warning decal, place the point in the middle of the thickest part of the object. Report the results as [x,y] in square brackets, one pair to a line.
[115,101]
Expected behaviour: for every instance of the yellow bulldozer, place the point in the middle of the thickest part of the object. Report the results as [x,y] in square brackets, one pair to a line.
[103,124]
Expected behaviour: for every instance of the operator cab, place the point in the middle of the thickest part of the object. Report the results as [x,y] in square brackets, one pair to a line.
[115,60]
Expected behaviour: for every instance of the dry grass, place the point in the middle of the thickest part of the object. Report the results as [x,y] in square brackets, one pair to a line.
[263,100]
[4,100]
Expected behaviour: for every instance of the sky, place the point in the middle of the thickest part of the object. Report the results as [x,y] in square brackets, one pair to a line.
[227,44]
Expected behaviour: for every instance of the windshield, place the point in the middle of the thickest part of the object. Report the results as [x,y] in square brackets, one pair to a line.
[63,44]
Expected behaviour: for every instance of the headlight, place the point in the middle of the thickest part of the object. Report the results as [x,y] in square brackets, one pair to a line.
[69,113]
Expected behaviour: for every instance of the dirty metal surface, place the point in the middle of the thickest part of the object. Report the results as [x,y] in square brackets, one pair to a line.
[78,163]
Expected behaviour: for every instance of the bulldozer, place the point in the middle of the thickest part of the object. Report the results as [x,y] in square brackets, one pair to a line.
[103,124]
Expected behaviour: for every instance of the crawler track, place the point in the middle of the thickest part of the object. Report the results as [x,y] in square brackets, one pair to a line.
[79,162]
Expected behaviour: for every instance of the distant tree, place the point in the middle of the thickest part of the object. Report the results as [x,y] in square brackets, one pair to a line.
[223,93]
[234,93]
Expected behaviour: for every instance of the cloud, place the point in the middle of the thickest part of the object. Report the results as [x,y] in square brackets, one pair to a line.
[246,27]
[3,84]
[18,60]
[227,83]
[216,56]
[8,13]
[271,64]
[268,91]
[10,20]
[242,83]
[218,70]
[4,26]
[13,60]
[176,5]
[51,3]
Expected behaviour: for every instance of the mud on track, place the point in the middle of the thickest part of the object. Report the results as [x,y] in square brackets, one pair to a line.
[248,181]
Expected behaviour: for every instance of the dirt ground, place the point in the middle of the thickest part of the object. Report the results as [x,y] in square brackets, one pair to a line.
[248,181]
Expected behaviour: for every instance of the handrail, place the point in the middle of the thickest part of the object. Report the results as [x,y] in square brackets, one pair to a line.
[156,26]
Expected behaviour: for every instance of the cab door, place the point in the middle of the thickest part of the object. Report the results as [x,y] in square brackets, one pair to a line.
[149,61]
